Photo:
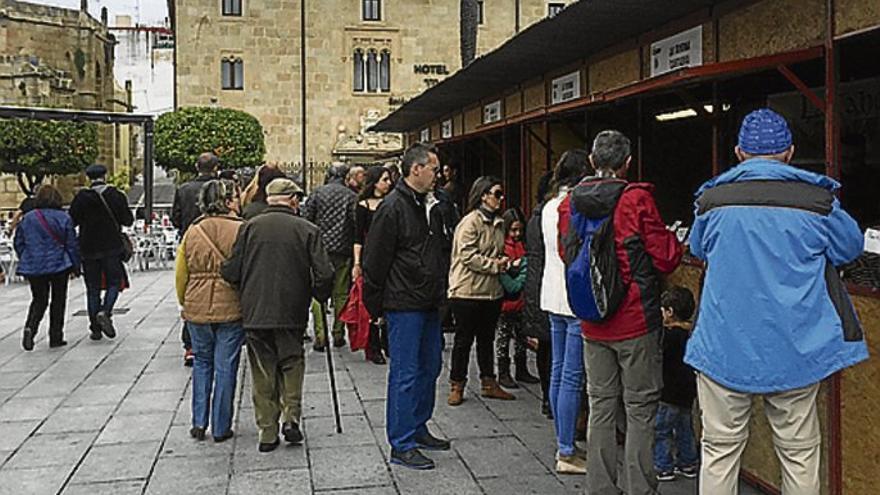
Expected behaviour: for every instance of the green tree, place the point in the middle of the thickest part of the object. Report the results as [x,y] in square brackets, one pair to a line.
[34,149]
[236,138]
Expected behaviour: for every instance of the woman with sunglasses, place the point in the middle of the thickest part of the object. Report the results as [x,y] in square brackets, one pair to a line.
[376,186]
[475,290]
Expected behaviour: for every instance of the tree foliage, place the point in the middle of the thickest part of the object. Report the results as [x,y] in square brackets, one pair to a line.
[34,149]
[236,138]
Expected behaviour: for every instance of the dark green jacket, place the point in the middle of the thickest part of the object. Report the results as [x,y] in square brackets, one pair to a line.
[278,265]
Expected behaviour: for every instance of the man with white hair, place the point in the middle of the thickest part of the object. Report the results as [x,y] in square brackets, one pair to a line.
[278,265]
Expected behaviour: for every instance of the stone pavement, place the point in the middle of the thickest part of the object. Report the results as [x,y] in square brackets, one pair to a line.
[112,417]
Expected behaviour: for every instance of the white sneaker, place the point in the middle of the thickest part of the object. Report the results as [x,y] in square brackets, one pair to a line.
[570,464]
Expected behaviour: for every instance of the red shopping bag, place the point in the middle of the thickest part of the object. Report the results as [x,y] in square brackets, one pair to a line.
[356,317]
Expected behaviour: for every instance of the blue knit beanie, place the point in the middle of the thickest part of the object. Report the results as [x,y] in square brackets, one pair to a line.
[764,132]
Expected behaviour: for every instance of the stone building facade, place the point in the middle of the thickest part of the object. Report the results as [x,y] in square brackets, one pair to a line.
[61,58]
[363,58]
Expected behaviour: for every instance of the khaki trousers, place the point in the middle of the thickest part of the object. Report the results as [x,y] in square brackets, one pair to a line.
[277,368]
[793,418]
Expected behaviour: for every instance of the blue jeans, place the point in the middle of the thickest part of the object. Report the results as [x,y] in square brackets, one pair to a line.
[100,272]
[217,349]
[674,425]
[415,346]
[566,378]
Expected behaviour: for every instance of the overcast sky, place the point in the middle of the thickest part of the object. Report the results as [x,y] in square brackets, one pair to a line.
[146,12]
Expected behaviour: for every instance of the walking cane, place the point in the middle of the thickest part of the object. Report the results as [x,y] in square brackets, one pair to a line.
[329,352]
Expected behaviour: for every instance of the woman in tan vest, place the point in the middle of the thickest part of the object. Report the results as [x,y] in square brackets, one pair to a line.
[211,308]
[475,290]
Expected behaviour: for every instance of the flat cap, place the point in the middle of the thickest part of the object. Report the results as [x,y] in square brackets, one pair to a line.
[96,171]
[282,187]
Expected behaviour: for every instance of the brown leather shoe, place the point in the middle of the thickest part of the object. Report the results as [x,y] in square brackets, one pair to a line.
[456,393]
[491,390]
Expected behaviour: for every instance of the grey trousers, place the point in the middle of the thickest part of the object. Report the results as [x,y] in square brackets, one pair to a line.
[632,369]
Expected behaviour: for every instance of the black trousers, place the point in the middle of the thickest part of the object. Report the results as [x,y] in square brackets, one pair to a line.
[42,287]
[475,319]
[544,359]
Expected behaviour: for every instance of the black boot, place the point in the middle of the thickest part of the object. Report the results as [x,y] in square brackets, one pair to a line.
[522,371]
[504,378]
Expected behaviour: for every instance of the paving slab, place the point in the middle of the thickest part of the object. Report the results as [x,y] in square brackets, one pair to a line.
[37,408]
[32,481]
[91,395]
[525,485]
[321,432]
[492,457]
[199,475]
[63,449]
[111,488]
[137,428]
[14,433]
[77,418]
[352,467]
[450,477]
[119,462]
[273,481]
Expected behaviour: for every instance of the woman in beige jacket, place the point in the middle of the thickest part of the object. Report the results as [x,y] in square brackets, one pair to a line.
[475,290]
[211,308]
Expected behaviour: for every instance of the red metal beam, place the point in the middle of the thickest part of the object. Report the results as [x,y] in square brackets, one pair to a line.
[802,87]
[832,161]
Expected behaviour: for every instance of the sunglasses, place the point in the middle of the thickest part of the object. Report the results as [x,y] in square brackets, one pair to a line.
[498,193]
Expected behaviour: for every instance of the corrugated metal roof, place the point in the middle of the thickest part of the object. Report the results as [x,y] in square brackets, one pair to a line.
[583,29]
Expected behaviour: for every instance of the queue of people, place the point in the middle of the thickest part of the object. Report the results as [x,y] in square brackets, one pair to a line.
[581,281]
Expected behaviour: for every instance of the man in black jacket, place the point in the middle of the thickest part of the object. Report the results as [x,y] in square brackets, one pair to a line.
[185,208]
[99,211]
[331,208]
[404,279]
[278,265]
[184,211]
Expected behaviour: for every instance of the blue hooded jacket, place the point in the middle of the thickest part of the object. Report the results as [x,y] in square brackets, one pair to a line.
[773,312]
[38,252]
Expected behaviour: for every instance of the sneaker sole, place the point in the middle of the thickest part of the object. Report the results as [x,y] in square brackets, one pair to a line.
[106,326]
[433,449]
[294,439]
[425,467]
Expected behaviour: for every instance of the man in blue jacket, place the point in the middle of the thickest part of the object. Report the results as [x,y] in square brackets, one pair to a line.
[774,317]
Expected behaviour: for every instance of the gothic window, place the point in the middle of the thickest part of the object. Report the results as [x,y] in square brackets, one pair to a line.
[232,7]
[372,70]
[358,81]
[232,73]
[372,10]
[385,71]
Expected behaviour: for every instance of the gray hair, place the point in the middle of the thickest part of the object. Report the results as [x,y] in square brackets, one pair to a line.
[207,162]
[214,195]
[418,153]
[610,150]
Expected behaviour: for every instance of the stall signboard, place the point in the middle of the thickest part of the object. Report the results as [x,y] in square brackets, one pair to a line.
[446,129]
[872,241]
[682,50]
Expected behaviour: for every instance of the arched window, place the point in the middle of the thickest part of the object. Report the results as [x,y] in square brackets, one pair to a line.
[232,73]
[385,71]
[372,72]
[358,62]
